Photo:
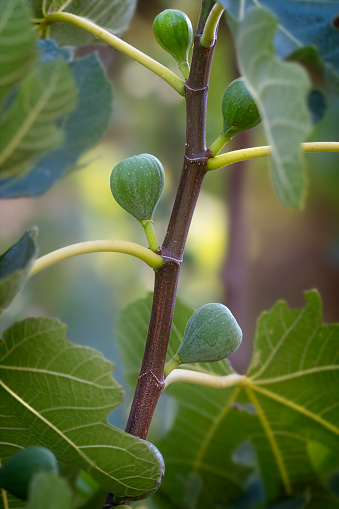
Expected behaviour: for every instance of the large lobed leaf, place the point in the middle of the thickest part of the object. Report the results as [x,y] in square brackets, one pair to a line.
[294,381]
[15,266]
[58,395]
[114,15]
[280,90]
[287,410]
[17,42]
[82,128]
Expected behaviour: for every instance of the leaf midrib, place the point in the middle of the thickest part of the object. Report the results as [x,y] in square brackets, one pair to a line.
[32,116]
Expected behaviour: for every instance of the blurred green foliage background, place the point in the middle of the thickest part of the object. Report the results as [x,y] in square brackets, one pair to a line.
[283,252]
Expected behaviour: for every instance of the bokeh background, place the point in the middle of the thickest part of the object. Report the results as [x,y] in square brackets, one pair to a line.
[244,248]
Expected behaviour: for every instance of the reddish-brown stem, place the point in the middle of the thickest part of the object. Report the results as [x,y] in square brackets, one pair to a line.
[150,382]
[151,379]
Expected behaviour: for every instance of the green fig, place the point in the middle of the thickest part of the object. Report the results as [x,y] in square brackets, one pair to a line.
[137,184]
[238,109]
[173,31]
[17,472]
[212,333]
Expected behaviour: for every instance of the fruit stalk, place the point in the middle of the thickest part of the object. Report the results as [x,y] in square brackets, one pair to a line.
[219,143]
[150,234]
[151,379]
[173,363]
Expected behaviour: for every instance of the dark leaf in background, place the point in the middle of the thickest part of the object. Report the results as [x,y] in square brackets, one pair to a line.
[49,50]
[298,502]
[317,105]
[15,265]
[307,29]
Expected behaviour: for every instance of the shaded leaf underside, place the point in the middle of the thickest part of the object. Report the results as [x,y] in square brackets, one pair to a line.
[280,90]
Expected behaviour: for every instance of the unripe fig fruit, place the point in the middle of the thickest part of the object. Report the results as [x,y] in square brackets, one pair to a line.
[212,333]
[17,472]
[238,108]
[173,31]
[137,184]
